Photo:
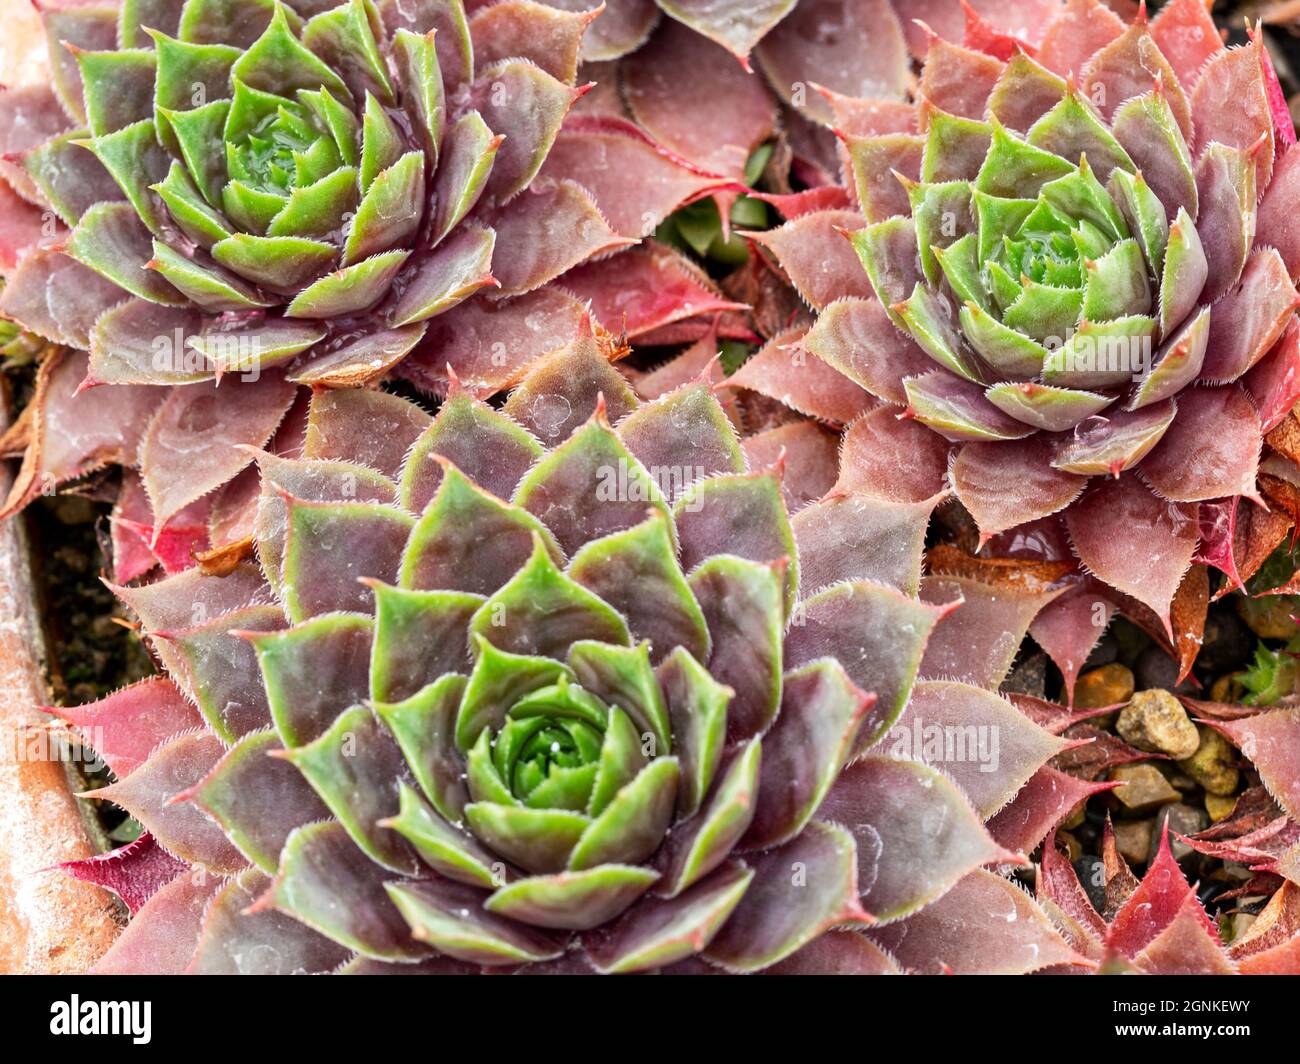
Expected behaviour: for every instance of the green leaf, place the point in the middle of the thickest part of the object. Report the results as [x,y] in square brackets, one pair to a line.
[634,824]
[424,727]
[280,262]
[390,211]
[498,680]
[622,676]
[136,161]
[279,62]
[542,611]
[119,87]
[112,241]
[251,208]
[1016,168]
[344,37]
[621,759]
[189,75]
[199,132]
[468,152]
[339,120]
[537,840]
[197,220]
[350,290]
[443,848]
[352,767]
[423,98]
[705,842]
[573,901]
[209,287]
[381,142]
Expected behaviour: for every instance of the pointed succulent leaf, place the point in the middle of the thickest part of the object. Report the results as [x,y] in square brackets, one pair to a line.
[258,799]
[451,917]
[783,910]
[325,882]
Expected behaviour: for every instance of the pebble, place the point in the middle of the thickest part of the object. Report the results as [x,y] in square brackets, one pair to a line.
[1183,819]
[1268,617]
[1144,788]
[1226,689]
[1107,685]
[1214,764]
[1155,721]
[1156,670]
[1133,839]
[1219,805]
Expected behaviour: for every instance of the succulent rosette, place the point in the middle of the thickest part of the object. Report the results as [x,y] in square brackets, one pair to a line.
[1075,267]
[273,195]
[596,704]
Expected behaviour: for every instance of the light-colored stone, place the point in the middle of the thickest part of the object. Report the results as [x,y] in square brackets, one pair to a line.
[1268,617]
[1133,839]
[1214,765]
[1106,685]
[1219,805]
[1156,721]
[1144,787]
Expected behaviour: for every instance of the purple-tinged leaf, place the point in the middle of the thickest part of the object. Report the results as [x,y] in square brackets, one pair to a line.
[125,727]
[856,337]
[193,442]
[134,872]
[855,49]
[1248,320]
[451,918]
[811,739]
[235,942]
[329,546]
[53,295]
[676,87]
[978,739]
[325,882]
[546,231]
[877,633]
[916,833]
[636,184]
[782,370]
[257,799]
[1210,451]
[161,938]
[314,671]
[978,636]
[1107,445]
[646,288]
[1101,523]
[660,931]
[150,792]
[1005,486]
[1048,798]
[891,458]
[984,924]
[798,891]
[855,537]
